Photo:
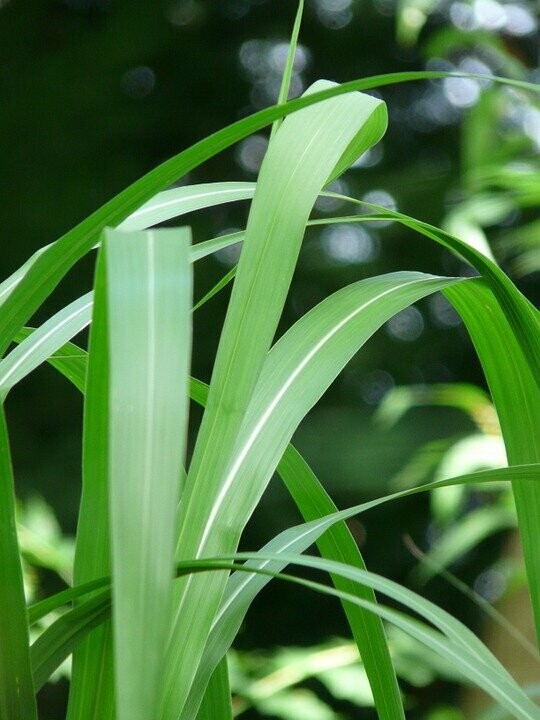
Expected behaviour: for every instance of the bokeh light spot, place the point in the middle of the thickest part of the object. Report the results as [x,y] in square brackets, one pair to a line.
[443,312]
[382,198]
[407,325]
[250,153]
[230,255]
[349,244]
[329,204]
[519,21]
[461,92]
[138,82]
[375,385]
[490,584]
[184,13]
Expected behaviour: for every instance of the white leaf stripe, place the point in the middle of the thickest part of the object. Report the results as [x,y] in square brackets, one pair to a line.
[263,420]
[179,201]
[33,351]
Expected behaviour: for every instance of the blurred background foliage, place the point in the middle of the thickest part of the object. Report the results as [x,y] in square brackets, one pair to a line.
[97,92]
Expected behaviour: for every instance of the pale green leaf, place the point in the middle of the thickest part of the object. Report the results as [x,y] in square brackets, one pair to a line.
[149,341]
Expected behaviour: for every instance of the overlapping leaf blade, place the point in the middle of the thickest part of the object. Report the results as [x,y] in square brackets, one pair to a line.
[24,291]
[183,200]
[453,640]
[42,343]
[217,697]
[91,694]
[52,647]
[16,688]
[516,396]
[300,159]
[297,371]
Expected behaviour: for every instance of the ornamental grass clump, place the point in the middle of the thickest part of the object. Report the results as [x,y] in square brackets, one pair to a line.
[159,589]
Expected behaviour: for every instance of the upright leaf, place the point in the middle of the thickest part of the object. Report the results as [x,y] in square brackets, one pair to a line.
[300,159]
[149,341]
[217,698]
[16,687]
[91,695]
[289,65]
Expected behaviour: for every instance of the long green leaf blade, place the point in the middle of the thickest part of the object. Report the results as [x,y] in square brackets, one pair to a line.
[297,371]
[91,694]
[149,312]
[289,65]
[25,292]
[516,396]
[299,161]
[241,587]
[336,543]
[217,698]
[16,688]
[183,200]
[452,640]
[42,343]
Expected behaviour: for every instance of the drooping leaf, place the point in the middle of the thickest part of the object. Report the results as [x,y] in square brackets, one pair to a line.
[242,587]
[301,157]
[24,291]
[516,396]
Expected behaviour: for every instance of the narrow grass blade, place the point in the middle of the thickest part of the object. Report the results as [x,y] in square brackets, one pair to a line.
[241,587]
[337,543]
[516,396]
[25,294]
[57,642]
[302,155]
[7,285]
[42,608]
[479,600]
[289,65]
[518,311]
[454,642]
[493,274]
[49,341]
[16,689]
[69,359]
[467,533]
[183,200]
[520,314]
[42,343]
[297,371]
[451,639]
[225,280]
[91,694]
[148,309]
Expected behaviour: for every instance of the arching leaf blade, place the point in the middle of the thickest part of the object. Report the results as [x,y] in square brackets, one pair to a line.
[516,396]
[299,160]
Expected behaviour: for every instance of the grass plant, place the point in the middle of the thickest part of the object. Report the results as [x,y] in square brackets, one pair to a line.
[154,606]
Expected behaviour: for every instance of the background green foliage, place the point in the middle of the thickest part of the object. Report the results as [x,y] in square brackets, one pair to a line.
[96,93]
